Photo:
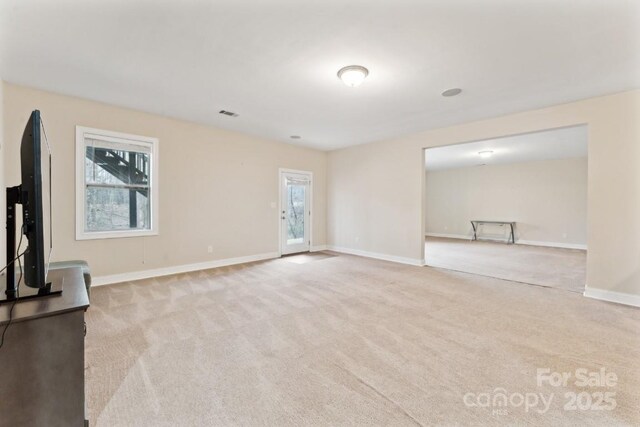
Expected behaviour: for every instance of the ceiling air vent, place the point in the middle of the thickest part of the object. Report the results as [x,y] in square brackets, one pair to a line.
[228,113]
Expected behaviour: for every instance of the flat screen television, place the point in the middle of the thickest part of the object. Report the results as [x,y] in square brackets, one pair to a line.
[34,195]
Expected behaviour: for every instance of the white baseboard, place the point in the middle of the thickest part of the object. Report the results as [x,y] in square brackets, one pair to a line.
[448,236]
[612,296]
[552,244]
[384,257]
[165,271]
[518,242]
[318,248]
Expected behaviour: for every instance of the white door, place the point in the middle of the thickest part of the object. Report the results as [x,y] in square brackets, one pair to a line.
[295,212]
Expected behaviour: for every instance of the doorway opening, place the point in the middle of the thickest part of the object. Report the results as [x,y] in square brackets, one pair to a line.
[295,211]
[514,207]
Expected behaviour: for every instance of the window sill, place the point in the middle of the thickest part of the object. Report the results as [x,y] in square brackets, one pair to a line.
[96,235]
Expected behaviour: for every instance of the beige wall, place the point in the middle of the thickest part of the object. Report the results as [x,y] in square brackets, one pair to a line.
[376,190]
[547,199]
[216,186]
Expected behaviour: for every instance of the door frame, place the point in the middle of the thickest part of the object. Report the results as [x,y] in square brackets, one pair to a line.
[424,150]
[282,171]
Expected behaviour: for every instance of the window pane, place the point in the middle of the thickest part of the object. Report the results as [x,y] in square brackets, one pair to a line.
[109,209]
[295,214]
[110,166]
[143,208]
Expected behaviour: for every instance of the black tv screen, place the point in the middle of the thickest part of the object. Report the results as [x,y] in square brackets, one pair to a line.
[33,219]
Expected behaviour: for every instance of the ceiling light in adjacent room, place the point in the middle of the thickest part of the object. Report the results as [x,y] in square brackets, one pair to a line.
[485,154]
[353,75]
[452,92]
[295,137]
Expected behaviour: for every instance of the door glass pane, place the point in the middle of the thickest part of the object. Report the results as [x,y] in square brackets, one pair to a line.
[295,213]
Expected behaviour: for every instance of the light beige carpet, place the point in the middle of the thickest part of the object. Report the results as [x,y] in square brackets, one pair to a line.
[543,266]
[345,340]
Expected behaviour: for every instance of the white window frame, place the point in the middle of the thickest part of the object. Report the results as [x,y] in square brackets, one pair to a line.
[110,136]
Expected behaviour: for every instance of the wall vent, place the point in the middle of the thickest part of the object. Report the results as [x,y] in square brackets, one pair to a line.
[228,113]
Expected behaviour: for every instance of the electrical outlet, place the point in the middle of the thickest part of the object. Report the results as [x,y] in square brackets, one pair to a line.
[210,249]
[357,239]
[273,205]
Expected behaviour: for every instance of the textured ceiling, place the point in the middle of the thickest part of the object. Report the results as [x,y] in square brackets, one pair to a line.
[561,143]
[275,62]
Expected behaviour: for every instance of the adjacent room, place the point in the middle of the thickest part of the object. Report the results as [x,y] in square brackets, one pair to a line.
[514,208]
[319,213]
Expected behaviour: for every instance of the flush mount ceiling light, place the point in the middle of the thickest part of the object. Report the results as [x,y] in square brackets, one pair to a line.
[353,75]
[485,154]
[452,92]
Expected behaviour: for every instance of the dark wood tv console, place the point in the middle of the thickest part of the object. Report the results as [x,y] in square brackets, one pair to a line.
[42,359]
